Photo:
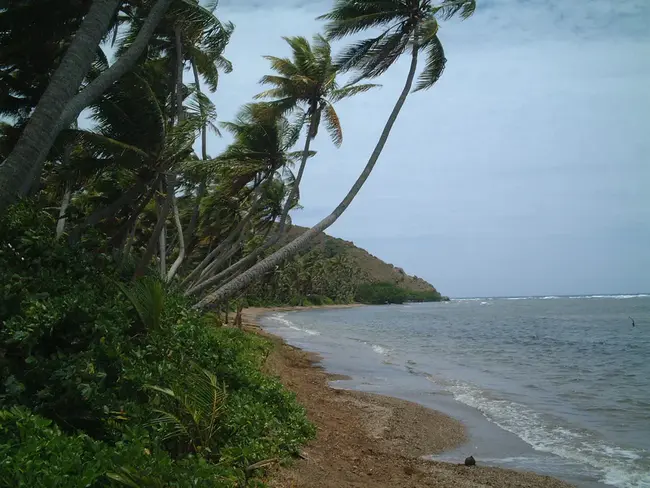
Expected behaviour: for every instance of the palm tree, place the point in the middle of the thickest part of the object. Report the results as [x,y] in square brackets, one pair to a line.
[61,102]
[262,146]
[189,32]
[305,84]
[406,24]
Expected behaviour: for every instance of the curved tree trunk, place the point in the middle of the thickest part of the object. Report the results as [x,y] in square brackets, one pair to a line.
[194,220]
[60,224]
[129,241]
[151,245]
[181,240]
[234,286]
[252,256]
[177,113]
[162,238]
[59,105]
[39,134]
[232,236]
[123,65]
[141,204]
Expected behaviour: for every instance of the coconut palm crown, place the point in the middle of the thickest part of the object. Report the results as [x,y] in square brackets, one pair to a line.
[307,83]
[403,24]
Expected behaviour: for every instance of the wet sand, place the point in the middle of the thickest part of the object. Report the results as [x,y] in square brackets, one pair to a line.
[366,440]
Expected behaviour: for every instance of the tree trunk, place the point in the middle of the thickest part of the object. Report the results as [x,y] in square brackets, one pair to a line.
[124,229]
[171,180]
[181,240]
[234,234]
[60,225]
[243,280]
[189,235]
[162,238]
[59,105]
[151,245]
[100,214]
[206,275]
[130,239]
[252,256]
[43,127]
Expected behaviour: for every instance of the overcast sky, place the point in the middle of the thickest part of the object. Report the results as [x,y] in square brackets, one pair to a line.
[524,171]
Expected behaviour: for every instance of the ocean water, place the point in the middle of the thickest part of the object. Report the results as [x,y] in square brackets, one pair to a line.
[555,385]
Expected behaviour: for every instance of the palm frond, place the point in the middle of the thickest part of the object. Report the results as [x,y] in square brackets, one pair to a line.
[351,90]
[333,124]
[350,17]
[450,8]
[199,104]
[147,296]
[427,31]
[284,66]
[197,406]
[435,64]
[373,57]
[103,146]
[175,426]
[294,128]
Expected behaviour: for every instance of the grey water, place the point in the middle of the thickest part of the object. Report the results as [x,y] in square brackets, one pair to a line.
[554,385]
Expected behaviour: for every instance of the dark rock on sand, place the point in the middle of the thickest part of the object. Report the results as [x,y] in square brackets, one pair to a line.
[470,461]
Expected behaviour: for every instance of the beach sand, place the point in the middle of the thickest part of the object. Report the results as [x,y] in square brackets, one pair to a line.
[365,440]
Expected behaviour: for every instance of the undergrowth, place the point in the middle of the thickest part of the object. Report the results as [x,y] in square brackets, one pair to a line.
[104,382]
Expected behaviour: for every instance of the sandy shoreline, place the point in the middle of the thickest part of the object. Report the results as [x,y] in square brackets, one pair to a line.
[367,440]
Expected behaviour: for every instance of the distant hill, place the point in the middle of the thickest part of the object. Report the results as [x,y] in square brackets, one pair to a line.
[374,270]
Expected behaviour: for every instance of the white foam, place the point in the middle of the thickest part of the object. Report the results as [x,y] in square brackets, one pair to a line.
[616,465]
[380,350]
[616,297]
[279,317]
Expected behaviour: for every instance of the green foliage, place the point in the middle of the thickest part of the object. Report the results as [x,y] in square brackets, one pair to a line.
[399,27]
[147,296]
[381,293]
[37,454]
[316,277]
[77,359]
[197,405]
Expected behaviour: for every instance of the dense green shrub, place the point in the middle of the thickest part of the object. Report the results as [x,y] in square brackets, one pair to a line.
[36,453]
[380,293]
[85,358]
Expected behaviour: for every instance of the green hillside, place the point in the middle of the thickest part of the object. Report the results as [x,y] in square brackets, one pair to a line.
[333,270]
[373,269]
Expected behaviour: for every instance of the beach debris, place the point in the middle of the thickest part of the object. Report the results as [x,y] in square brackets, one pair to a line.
[470,461]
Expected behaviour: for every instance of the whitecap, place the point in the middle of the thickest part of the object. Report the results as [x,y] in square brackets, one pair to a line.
[380,350]
[617,465]
[279,317]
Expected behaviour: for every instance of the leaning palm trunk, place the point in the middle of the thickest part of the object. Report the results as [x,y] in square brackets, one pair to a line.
[252,256]
[129,240]
[171,179]
[243,280]
[209,260]
[162,238]
[189,236]
[37,138]
[155,236]
[61,104]
[60,224]
[181,240]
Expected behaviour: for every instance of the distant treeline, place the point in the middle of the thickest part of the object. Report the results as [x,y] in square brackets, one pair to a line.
[381,293]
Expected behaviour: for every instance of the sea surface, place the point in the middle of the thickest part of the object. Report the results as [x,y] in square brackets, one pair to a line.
[555,385]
